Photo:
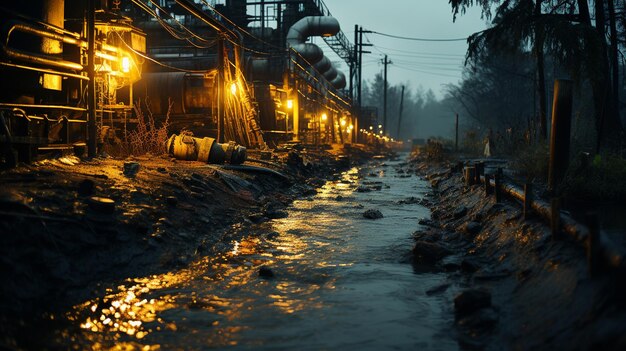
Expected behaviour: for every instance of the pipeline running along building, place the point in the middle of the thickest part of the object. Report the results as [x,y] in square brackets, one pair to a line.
[77,75]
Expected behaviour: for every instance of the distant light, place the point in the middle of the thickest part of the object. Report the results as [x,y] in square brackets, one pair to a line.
[371,128]
[324,117]
[381,132]
[380,126]
[289,103]
[351,127]
[125,64]
[233,88]
[343,122]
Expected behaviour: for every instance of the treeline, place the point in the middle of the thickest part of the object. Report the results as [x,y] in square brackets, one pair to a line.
[423,115]
[511,67]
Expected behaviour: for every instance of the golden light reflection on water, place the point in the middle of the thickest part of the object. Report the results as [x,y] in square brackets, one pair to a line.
[226,288]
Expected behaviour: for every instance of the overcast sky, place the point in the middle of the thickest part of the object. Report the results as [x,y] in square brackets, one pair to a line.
[415,63]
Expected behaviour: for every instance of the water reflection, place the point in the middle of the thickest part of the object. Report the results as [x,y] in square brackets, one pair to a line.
[336,275]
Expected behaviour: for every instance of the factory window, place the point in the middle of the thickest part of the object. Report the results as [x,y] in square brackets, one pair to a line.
[301,7]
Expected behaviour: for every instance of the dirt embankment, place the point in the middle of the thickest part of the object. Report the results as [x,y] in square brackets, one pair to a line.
[71,228]
[517,287]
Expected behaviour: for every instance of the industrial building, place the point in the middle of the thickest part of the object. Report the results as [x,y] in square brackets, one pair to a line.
[77,75]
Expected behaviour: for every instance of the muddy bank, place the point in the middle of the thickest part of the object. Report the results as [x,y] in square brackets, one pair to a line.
[71,228]
[515,287]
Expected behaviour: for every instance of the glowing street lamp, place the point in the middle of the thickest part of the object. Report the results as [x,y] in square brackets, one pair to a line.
[343,122]
[125,64]
[324,117]
[290,104]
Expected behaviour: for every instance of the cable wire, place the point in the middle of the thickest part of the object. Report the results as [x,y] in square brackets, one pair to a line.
[418,39]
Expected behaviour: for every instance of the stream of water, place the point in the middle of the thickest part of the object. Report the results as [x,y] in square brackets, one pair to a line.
[340,282]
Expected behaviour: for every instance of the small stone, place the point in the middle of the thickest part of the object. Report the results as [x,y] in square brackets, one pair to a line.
[470,301]
[265,272]
[485,318]
[428,252]
[161,170]
[437,289]
[339,198]
[469,266]
[363,189]
[257,218]
[131,169]
[372,214]
[473,228]
[459,212]
[102,204]
[427,222]
[171,200]
[86,187]
[276,214]
[272,235]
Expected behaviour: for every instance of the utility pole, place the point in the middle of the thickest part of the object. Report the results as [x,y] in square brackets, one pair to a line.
[400,114]
[385,62]
[353,64]
[360,63]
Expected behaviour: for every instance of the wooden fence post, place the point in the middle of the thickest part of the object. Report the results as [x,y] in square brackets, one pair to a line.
[528,199]
[555,217]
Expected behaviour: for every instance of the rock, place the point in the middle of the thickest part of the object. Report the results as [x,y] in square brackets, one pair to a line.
[316,182]
[427,222]
[131,169]
[102,204]
[459,212]
[428,252]
[410,200]
[372,214]
[276,214]
[470,301]
[485,318]
[428,235]
[339,198]
[272,235]
[257,218]
[162,170]
[469,265]
[473,228]
[438,289]
[363,189]
[171,200]
[265,272]
[86,187]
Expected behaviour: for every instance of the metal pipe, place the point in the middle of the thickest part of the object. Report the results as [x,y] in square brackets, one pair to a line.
[340,81]
[2,104]
[44,70]
[611,254]
[307,27]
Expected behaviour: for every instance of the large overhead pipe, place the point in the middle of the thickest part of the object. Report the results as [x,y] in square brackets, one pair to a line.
[323,65]
[340,81]
[308,27]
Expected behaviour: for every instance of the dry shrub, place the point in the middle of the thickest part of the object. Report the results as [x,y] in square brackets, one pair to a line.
[598,178]
[148,137]
[531,162]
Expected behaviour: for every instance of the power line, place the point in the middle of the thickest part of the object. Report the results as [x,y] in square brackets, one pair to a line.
[418,39]
[426,72]
[443,54]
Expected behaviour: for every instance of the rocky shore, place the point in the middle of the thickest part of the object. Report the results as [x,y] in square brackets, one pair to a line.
[515,287]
